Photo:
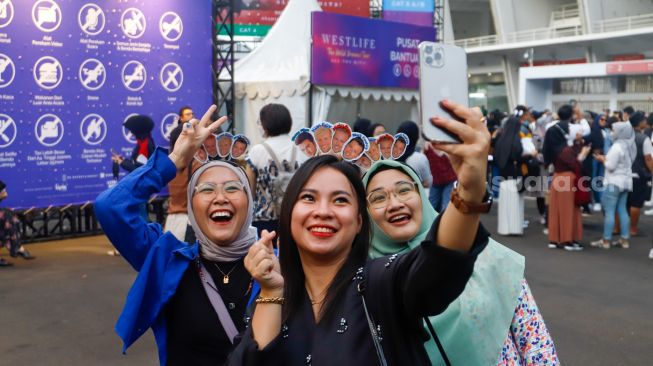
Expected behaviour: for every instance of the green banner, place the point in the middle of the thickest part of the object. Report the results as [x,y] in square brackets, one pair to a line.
[251,30]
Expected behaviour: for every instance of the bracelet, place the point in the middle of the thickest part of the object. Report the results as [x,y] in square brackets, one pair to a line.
[270,300]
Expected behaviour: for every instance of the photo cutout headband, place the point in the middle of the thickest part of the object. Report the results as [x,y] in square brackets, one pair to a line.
[355,147]
[224,144]
[239,147]
[323,133]
[341,135]
[304,139]
[373,153]
[400,145]
[385,142]
[208,150]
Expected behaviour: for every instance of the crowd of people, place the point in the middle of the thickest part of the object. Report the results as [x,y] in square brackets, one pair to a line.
[325,238]
[575,164]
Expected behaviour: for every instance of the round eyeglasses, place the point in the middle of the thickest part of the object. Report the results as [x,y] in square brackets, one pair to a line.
[230,189]
[380,198]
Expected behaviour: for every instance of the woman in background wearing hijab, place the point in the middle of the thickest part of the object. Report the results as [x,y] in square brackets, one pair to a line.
[618,182]
[192,296]
[562,150]
[508,158]
[413,158]
[496,313]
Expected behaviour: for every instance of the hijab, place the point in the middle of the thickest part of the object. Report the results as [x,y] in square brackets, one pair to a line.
[508,144]
[623,135]
[411,130]
[247,235]
[474,327]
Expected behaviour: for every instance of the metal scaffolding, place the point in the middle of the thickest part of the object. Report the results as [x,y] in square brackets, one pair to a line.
[223,59]
[438,20]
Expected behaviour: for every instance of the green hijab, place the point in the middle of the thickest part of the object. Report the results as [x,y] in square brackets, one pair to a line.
[474,327]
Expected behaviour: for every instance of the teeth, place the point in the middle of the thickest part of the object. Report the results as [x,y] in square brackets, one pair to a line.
[322,230]
[398,218]
[220,214]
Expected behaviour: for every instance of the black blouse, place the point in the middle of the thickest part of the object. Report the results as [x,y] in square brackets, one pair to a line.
[399,292]
[195,334]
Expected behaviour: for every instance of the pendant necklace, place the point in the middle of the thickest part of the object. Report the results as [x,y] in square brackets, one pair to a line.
[225,278]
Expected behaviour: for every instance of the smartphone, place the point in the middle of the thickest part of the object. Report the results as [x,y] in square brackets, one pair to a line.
[443,75]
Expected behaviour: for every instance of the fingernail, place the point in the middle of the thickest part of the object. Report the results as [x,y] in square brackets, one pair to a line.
[187,125]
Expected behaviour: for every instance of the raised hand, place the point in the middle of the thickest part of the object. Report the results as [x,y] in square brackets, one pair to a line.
[469,158]
[192,136]
[264,267]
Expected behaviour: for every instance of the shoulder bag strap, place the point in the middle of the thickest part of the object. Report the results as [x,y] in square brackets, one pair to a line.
[272,154]
[370,322]
[437,341]
[218,304]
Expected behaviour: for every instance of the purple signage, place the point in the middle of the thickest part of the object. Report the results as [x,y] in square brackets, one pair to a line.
[354,51]
[72,71]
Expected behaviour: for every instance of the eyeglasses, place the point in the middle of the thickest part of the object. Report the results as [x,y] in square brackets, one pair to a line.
[381,198]
[230,189]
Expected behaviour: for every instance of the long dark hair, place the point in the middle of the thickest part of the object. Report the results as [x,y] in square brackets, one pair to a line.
[291,265]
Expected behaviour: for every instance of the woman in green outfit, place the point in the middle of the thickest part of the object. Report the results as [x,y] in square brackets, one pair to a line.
[495,320]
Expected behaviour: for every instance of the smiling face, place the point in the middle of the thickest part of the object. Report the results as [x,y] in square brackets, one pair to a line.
[325,218]
[364,162]
[398,148]
[238,149]
[308,147]
[211,145]
[223,145]
[353,149]
[340,136]
[374,152]
[386,147]
[323,137]
[219,216]
[400,219]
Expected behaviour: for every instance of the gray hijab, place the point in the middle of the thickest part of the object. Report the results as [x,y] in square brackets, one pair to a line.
[247,235]
[624,135]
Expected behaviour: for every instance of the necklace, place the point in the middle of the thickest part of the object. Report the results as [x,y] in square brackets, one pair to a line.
[225,278]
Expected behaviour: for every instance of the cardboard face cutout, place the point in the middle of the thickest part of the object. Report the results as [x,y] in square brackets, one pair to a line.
[323,138]
[341,133]
[308,146]
[211,146]
[355,147]
[399,145]
[239,147]
[201,155]
[385,145]
[364,162]
[374,153]
[224,144]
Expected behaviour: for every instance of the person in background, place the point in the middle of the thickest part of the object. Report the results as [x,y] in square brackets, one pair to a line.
[276,123]
[376,129]
[185,115]
[414,158]
[362,125]
[10,232]
[649,132]
[539,131]
[443,175]
[642,168]
[618,182]
[597,140]
[141,127]
[563,150]
[627,112]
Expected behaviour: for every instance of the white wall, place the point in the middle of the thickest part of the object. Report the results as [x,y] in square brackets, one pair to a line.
[607,9]
[468,24]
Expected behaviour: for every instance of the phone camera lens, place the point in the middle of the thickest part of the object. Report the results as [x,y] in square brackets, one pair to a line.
[429,49]
[438,56]
[429,60]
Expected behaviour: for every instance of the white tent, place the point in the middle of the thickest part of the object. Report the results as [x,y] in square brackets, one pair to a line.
[278,71]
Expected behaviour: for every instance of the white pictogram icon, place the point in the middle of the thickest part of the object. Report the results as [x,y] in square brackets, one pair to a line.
[48,72]
[7,70]
[134,75]
[133,23]
[172,77]
[126,133]
[49,130]
[93,129]
[92,74]
[46,15]
[6,12]
[171,26]
[168,123]
[8,130]
[91,19]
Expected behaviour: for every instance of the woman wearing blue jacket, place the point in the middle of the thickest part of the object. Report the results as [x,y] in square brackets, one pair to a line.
[192,296]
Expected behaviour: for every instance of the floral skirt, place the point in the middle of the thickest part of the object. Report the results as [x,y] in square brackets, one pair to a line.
[9,231]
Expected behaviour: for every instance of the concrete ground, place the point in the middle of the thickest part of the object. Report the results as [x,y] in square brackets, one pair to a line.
[60,309]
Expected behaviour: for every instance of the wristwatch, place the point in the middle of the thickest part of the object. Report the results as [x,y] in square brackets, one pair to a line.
[467,207]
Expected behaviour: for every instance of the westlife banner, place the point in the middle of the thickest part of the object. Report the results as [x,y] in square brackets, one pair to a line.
[353,51]
[417,12]
[71,73]
[256,17]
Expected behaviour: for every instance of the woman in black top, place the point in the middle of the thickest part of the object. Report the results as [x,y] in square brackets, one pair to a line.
[311,309]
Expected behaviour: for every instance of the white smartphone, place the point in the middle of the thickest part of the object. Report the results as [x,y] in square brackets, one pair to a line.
[443,75]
